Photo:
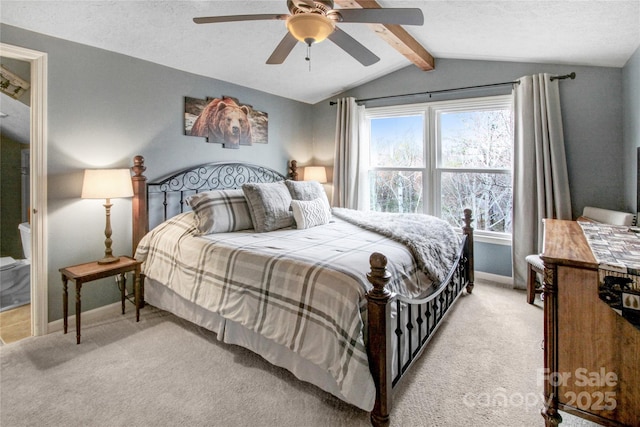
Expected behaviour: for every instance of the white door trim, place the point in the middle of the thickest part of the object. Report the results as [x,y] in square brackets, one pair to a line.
[38,134]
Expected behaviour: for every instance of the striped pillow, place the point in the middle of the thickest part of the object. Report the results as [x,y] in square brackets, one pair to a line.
[220,211]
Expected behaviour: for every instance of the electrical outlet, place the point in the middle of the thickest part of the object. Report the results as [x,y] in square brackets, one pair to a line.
[631,301]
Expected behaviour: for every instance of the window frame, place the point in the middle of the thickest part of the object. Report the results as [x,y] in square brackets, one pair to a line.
[432,168]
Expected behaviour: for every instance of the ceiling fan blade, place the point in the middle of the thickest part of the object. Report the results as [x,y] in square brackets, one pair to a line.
[234,18]
[399,16]
[283,49]
[353,47]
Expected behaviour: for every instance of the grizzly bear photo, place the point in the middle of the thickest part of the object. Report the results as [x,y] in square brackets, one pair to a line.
[224,121]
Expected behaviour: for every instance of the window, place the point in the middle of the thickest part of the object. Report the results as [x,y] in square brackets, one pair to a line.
[442,157]
[397,160]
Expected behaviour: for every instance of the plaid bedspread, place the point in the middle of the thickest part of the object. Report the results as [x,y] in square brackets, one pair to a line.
[303,289]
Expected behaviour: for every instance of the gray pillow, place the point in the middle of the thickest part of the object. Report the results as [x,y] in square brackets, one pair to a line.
[306,190]
[269,205]
[220,211]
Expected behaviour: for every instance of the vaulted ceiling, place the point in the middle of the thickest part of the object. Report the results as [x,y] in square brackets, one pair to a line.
[599,33]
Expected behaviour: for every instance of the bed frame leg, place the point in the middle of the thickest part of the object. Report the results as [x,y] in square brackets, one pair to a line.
[139,212]
[379,341]
[467,230]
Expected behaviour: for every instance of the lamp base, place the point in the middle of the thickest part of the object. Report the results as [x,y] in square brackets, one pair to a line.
[108,260]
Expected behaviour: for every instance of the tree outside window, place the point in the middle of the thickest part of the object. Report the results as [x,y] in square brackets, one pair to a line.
[441,158]
[476,148]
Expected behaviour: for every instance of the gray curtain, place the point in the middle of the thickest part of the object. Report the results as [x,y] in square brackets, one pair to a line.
[540,179]
[346,168]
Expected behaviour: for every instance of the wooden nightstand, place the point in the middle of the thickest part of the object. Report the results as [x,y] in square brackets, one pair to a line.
[90,271]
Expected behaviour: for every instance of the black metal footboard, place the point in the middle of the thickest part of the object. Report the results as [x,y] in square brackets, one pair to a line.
[416,320]
[393,345]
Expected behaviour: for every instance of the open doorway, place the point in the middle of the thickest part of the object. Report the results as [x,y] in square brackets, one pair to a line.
[15,246]
[37,206]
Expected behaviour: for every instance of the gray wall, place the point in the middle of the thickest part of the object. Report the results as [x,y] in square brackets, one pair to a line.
[105,108]
[592,116]
[631,130]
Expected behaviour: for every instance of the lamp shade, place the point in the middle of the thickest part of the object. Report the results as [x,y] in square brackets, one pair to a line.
[315,173]
[310,27]
[106,184]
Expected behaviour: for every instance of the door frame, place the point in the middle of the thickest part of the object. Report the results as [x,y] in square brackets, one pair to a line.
[38,184]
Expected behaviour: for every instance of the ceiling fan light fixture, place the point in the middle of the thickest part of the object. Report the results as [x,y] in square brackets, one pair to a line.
[310,27]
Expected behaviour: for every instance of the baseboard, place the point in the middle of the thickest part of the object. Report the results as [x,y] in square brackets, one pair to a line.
[505,281]
[88,316]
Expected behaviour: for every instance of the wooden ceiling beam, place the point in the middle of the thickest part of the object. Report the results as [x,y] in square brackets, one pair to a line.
[395,35]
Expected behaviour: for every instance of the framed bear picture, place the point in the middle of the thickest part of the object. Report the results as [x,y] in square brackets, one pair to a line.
[225,121]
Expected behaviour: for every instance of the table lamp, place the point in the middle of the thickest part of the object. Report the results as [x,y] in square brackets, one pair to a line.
[107,184]
[315,173]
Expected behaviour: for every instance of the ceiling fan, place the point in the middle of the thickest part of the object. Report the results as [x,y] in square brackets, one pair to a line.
[312,21]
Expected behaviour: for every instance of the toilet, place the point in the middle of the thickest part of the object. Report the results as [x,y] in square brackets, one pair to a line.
[25,236]
[15,275]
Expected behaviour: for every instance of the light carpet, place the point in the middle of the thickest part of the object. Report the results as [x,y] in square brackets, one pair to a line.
[481,369]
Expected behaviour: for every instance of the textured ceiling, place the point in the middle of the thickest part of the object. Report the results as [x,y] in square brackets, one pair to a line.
[600,33]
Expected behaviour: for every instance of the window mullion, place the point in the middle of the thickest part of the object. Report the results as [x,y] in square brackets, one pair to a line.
[432,178]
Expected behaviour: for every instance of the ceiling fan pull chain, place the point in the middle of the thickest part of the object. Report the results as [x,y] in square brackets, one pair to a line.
[308,57]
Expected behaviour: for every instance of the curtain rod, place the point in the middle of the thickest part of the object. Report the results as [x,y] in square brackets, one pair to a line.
[571,76]
[567,76]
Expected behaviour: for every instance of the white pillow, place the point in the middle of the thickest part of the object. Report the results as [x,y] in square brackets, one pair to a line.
[310,213]
[220,211]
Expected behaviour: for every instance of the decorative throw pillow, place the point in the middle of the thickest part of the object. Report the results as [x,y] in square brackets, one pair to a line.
[269,205]
[306,190]
[310,213]
[220,211]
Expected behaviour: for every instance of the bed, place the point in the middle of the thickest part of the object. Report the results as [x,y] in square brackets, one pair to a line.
[342,300]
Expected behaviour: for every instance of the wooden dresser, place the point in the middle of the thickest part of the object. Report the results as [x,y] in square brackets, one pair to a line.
[591,354]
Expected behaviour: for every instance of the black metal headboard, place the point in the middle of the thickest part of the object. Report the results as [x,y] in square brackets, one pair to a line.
[155,202]
[167,196]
